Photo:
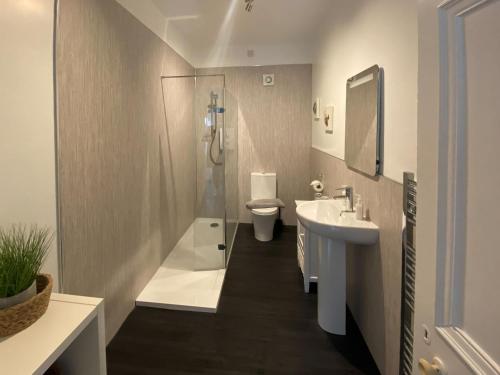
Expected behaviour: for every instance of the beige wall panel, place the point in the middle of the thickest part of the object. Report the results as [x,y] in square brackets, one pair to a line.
[125,200]
[274,134]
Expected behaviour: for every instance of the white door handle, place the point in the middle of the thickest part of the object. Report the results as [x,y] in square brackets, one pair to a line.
[437,367]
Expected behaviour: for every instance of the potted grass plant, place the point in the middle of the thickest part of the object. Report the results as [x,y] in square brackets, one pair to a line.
[24,292]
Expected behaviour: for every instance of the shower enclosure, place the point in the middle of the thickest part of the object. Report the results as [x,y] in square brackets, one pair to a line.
[210,237]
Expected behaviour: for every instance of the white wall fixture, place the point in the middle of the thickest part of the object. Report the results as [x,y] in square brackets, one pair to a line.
[316,108]
[268,79]
[328,119]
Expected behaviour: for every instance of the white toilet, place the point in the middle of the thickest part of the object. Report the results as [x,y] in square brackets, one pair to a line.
[263,186]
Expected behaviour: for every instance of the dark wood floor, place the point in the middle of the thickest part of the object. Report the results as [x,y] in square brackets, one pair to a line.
[265,325]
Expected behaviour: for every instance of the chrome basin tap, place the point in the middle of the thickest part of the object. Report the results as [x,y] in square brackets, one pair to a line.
[347,194]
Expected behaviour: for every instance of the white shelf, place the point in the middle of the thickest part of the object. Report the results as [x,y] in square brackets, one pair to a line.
[71,331]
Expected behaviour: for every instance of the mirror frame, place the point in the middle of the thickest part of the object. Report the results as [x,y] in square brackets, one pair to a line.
[364,106]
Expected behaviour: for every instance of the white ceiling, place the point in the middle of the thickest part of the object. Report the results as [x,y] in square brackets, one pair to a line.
[220,32]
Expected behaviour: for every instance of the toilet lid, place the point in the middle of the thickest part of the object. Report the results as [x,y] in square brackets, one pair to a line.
[265,211]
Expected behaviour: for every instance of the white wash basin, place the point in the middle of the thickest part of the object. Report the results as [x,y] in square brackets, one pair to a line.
[323,218]
[335,228]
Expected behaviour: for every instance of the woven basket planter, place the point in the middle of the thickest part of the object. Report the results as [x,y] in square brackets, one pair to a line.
[18,317]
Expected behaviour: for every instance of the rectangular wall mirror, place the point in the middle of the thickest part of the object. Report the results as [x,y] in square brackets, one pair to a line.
[363,103]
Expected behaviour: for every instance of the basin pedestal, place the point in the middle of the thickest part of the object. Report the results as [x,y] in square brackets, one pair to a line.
[332,286]
[335,228]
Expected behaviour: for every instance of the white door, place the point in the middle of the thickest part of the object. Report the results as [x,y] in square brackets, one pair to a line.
[458,217]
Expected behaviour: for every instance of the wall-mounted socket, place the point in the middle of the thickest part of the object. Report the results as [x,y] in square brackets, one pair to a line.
[268,79]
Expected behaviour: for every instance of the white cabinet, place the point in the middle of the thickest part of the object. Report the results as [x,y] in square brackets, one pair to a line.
[307,253]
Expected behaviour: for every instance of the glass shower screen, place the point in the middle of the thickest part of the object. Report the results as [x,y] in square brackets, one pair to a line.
[215,146]
[209,225]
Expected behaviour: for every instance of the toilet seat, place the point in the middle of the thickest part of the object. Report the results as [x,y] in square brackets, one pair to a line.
[265,211]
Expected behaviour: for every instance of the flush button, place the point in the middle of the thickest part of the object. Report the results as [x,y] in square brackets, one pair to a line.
[268,79]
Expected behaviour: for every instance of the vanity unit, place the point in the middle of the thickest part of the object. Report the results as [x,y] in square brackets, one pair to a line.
[307,253]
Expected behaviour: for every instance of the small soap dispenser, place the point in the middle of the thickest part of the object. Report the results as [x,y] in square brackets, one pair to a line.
[358,208]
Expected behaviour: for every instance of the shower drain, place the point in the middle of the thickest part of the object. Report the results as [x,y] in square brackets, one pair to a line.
[214,225]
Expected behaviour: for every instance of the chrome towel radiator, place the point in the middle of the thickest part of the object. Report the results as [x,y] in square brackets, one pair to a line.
[408,274]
